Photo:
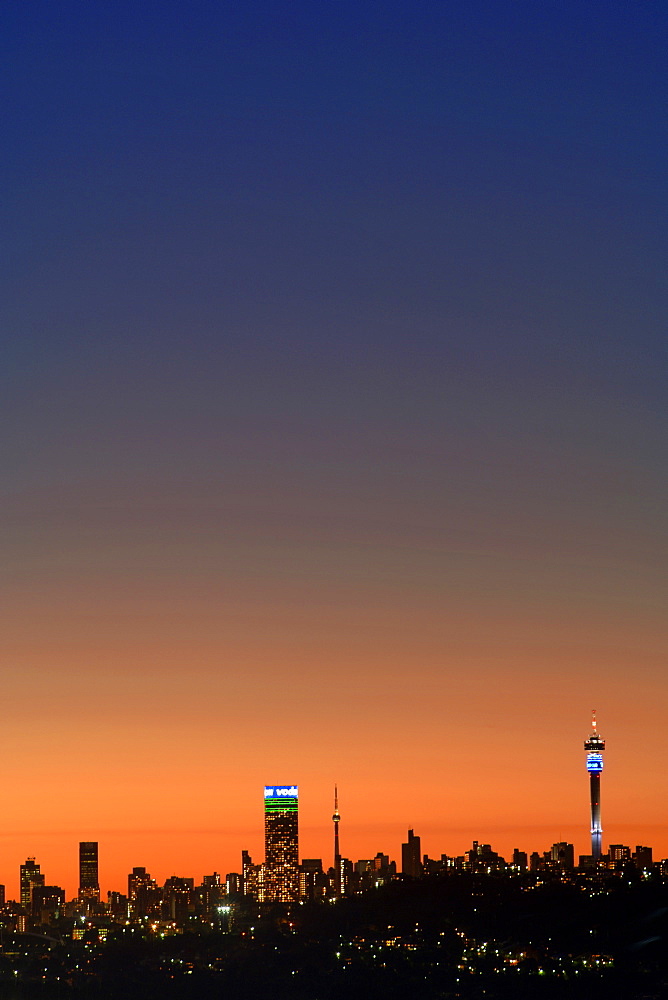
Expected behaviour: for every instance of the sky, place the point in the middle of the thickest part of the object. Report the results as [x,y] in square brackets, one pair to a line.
[333,448]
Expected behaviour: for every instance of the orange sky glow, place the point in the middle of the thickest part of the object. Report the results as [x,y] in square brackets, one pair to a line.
[333,439]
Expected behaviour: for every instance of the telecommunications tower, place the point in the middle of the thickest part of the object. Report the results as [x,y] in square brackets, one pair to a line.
[595,747]
[336,819]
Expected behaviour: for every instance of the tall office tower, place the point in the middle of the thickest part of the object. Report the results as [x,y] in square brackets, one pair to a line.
[30,876]
[336,819]
[281,840]
[411,863]
[89,885]
[595,747]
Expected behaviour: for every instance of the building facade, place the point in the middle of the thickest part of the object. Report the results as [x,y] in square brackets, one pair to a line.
[280,875]
[29,876]
[89,882]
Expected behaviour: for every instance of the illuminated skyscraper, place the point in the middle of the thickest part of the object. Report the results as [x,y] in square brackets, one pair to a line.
[280,882]
[30,876]
[595,747]
[89,885]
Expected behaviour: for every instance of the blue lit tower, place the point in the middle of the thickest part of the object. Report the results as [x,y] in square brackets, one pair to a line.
[595,747]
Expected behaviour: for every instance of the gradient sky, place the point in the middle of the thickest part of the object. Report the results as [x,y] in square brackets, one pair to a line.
[333,361]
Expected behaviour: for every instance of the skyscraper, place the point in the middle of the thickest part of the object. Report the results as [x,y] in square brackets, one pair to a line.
[89,885]
[595,747]
[30,876]
[280,882]
[411,863]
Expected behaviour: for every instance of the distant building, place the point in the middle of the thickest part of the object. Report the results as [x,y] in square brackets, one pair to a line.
[144,896]
[618,854]
[250,875]
[178,898]
[29,877]
[642,856]
[481,857]
[313,882]
[563,855]
[411,863]
[47,902]
[89,883]
[233,884]
[118,905]
[280,881]
[210,893]
[385,870]
[520,860]
[136,879]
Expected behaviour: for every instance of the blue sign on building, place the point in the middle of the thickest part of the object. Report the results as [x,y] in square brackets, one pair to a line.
[281,792]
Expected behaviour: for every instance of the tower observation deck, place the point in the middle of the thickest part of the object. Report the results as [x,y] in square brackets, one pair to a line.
[595,747]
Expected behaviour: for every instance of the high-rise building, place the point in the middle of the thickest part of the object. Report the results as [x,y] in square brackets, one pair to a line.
[595,747]
[312,879]
[89,884]
[563,854]
[280,882]
[233,884]
[144,896]
[178,896]
[138,878]
[30,876]
[411,863]
[643,856]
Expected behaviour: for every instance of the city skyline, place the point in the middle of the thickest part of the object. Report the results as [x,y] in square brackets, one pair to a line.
[333,447]
[281,853]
